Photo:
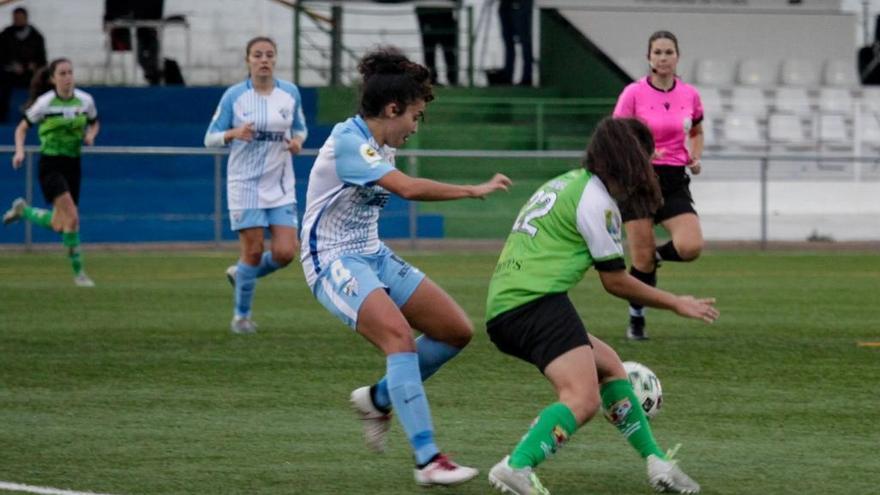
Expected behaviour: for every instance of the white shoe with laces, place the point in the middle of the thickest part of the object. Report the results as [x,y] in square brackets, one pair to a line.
[242,325]
[376,422]
[521,481]
[666,476]
[14,213]
[443,472]
[83,280]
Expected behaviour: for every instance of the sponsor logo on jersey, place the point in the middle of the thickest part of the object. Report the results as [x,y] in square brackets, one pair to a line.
[370,155]
[371,196]
[274,137]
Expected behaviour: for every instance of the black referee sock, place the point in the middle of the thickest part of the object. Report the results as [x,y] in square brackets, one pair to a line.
[668,252]
[644,277]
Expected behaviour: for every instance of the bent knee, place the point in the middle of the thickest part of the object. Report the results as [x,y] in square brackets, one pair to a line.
[690,251]
[283,257]
[583,404]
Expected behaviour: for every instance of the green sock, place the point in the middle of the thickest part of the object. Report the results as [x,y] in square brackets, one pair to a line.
[71,242]
[547,434]
[38,216]
[622,409]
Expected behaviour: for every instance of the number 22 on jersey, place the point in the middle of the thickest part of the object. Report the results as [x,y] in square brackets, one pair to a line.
[539,205]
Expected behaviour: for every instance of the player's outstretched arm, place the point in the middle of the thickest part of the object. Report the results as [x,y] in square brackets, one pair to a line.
[419,189]
[625,286]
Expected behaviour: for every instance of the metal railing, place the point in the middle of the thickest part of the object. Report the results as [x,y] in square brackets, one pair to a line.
[410,160]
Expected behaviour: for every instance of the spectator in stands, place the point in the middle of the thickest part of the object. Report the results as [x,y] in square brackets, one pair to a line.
[262,120]
[516,26]
[147,37]
[22,54]
[673,111]
[362,282]
[67,118]
[529,315]
[439,27]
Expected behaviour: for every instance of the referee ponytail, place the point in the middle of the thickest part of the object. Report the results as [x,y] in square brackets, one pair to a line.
[619,153]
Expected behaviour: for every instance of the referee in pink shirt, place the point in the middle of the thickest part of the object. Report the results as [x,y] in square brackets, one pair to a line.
[673,111]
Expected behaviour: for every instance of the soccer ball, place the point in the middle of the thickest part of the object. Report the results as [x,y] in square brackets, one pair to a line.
[647,387]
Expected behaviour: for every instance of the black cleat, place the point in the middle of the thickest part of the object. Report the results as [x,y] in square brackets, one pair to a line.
[636,329]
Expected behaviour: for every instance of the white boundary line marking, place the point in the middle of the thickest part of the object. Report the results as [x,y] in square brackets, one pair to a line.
[18,487]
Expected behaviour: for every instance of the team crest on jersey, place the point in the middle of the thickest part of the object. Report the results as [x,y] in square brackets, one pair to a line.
[370,155]
[612,224]
[285,113]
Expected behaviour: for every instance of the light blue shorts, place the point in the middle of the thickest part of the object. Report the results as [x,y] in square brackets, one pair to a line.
[284,216]
[344,285]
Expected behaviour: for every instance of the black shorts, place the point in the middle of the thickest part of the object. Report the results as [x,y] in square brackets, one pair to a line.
[674,185]
[539,331]
[58,175]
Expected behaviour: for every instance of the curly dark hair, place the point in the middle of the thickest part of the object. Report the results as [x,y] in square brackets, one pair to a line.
[619,153]
[390,77]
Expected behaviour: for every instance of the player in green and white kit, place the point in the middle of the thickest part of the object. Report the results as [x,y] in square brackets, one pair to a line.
[570,224]
[67,118]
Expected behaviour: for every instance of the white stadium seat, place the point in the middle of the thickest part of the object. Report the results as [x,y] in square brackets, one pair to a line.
[714,72]
[743,130]
[835,100]
[757,72]
[833,133]
[799,72]
[788,131]
[840,73]
[792,99]
[748,99]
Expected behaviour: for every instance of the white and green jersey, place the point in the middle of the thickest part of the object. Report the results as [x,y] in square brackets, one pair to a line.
[570,224]
[62,123]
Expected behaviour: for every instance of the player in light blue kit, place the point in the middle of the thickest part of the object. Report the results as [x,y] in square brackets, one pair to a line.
[262,121]
[358,279]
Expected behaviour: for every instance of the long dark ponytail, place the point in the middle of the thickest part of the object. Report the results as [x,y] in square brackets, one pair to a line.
[619,153]
[42,80]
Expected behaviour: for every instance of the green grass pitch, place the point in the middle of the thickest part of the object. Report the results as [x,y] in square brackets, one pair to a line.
[137,386]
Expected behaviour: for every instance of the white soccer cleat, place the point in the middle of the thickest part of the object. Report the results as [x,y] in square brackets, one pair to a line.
[443,472]
[376,422]
[515,481]
[230,274]
[83,280]
[666,476]
[15,212]
[242,325]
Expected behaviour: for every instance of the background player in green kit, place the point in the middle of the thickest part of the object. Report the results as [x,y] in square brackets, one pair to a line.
[570,224]
[66,118]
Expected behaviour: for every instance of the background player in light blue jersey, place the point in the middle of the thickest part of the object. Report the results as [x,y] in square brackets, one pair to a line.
[358,279]
[262,121]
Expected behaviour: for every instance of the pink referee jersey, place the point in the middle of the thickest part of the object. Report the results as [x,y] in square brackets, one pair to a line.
[669,114]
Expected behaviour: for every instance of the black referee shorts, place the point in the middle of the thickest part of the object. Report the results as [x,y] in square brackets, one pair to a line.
[677,199]
[58,175]
[540,330]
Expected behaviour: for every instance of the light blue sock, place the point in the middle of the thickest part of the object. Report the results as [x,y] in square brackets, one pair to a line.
[408,398]
[245,283]
[267,264]
[432,355]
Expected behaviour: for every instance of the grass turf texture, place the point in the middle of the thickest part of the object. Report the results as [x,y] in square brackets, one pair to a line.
[137,386]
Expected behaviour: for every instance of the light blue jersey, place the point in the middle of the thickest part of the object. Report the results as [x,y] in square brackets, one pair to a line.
[260,172]
[343,200]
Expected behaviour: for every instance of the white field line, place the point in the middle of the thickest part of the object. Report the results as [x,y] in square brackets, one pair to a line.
[18,487]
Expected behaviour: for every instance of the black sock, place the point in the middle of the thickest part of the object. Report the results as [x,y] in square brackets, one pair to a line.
[647,278]
[667,252]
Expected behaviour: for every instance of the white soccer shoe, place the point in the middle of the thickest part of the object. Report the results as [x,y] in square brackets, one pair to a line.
[443,472]
[83,280]
[14,213]
[230,274]
[242,325]
[515,481]
[376,422]
[666,476]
